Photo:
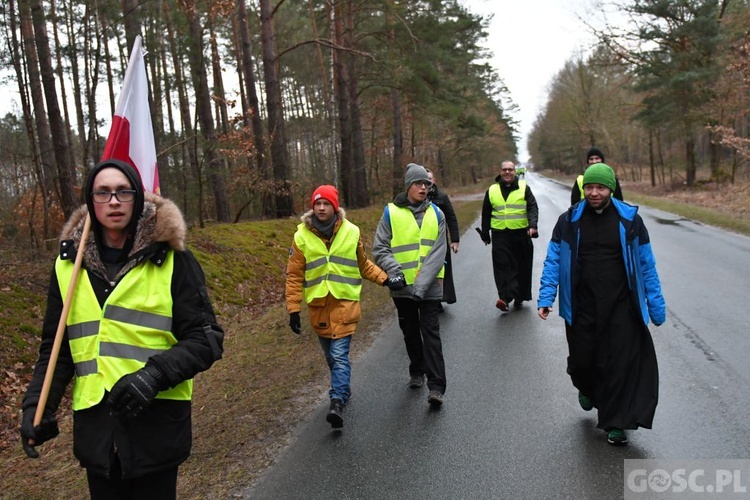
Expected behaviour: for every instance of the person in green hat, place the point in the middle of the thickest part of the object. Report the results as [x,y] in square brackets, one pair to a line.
[600,260]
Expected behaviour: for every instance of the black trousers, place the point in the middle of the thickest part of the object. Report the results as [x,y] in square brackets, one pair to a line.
[512,261]
[449,290]
[421,328]
[160,485]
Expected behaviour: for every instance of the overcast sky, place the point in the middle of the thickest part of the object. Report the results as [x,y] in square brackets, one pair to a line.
[531,40]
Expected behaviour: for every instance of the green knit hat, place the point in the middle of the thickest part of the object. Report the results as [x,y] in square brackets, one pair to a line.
[600,173]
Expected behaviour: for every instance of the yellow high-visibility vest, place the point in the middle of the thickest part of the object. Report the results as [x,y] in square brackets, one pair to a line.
[330,270]
[510,213]
[134,324]
[409,242]
[579,181]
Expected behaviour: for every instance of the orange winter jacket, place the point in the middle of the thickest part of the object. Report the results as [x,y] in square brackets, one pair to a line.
[329,317]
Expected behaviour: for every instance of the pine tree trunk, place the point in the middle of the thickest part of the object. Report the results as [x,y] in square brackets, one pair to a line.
[342,98]
[61,79]
[279,155]
[359,196]
[690,161]
[205,117]
[253,109]
[65,171]
[44,181]
[187,125]
[71,33]
[398,129]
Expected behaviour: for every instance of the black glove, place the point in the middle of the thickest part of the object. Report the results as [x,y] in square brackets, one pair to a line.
[295,323]
[135,391]
[45,431]
[485,235]
[396,283]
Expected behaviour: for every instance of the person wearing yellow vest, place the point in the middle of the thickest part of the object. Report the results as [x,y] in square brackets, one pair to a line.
[327,262]
[593,156]
[410,245]
[509,221]
[140,327]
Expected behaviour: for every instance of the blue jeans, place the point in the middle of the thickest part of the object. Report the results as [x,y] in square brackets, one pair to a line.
[337,356]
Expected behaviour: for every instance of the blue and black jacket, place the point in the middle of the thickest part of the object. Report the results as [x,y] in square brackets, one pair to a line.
[561,264]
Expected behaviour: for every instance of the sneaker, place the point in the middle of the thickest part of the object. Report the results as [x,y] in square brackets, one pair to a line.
[435,398]
[501,304]
[585,401]
[617,437]
[416,381]
[335,415]
[517,304]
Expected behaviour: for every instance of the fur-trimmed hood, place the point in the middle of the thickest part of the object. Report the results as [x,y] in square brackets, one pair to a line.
[161,224]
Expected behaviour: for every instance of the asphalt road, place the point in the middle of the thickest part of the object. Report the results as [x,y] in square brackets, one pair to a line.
[511,426]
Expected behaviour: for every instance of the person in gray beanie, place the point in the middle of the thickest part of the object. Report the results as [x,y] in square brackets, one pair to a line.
[593,156]
[410,245]
[415,173]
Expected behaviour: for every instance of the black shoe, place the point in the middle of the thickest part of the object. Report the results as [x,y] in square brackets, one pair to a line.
[517,304]
[416,381]
[435,398]
[335,415]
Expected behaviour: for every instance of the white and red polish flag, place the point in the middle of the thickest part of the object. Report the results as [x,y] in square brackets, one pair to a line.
[131,136]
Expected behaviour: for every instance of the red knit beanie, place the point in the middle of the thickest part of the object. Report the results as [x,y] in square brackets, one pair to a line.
[327,192]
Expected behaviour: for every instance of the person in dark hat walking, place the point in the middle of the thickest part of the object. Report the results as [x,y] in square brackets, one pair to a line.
[410,245]
[443,202]
[600,260]
[140,327]
[327,262]
[593,156]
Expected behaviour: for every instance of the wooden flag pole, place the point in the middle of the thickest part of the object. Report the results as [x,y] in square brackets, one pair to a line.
[49,375]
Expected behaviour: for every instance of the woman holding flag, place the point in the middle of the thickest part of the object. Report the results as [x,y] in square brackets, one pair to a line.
[140,327]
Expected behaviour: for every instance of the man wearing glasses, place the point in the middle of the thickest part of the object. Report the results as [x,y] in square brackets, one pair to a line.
[140,327]
[509,221]
[410,245]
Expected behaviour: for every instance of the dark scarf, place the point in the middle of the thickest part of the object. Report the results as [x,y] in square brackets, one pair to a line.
[325,228]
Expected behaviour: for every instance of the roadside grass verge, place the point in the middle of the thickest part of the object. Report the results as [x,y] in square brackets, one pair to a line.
[709,216]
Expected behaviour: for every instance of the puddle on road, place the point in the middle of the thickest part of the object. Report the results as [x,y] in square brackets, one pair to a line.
[670,222]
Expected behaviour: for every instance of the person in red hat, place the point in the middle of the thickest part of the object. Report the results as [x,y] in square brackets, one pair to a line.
[327,262]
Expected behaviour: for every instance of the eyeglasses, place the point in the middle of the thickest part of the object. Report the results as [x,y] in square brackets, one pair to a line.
[122,196]
[426,184]
[507,169]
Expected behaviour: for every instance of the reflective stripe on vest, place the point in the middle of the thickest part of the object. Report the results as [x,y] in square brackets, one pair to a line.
[579,181]
[405,235]
[510,213]
[134,325]
[333,270]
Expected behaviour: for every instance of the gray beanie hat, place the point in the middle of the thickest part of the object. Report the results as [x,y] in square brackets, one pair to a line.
[414,173]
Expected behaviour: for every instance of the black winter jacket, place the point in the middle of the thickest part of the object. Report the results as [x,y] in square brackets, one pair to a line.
[443,202]
[161,436]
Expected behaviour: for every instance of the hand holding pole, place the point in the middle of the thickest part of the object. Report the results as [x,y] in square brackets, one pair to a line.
[49,375]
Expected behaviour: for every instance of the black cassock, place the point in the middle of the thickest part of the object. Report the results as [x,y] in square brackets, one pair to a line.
[612,358]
